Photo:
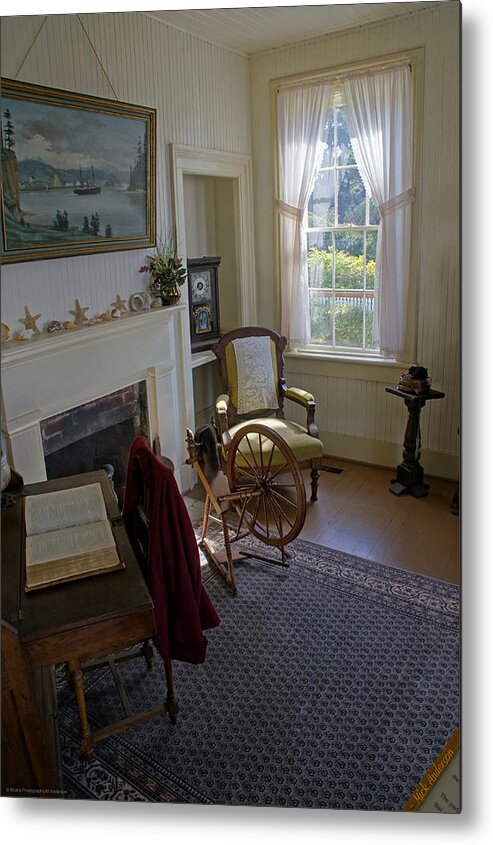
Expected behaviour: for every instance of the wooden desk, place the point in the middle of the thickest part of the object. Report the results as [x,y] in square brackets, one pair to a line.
[409,474]
[82,619]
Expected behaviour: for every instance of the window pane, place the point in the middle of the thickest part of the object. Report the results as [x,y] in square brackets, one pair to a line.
[319,260]
[344,151]
[371,252]
[371,246]
[374,214]
[350,261]
[328,156]
[349,321]
[369,311]
[318,240]
[321,313]
[321,211]
[350,242]
[351,197]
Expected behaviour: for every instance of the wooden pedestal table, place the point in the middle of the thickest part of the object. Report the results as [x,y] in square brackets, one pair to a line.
[409,475]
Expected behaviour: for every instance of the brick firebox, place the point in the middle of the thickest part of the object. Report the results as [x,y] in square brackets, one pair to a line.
[96,434]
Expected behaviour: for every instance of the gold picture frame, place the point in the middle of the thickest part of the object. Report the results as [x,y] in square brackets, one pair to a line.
[78,174]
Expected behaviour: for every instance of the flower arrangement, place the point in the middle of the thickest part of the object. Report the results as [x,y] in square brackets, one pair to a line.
[166,271]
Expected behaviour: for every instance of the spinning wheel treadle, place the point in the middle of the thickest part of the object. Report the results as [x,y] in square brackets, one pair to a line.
[264,495]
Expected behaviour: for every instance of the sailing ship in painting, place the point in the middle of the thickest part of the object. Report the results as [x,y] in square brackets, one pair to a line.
[87,186]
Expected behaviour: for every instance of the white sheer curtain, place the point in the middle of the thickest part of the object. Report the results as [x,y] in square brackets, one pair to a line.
[302,112]
[380,117]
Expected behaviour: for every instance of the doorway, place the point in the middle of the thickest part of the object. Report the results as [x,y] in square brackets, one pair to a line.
[213,205]
[214,216]
[210,223]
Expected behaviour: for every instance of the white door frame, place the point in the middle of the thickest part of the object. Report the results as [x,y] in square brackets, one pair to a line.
[200,162]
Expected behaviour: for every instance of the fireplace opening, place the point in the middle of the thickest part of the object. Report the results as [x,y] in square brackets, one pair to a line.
[96,435]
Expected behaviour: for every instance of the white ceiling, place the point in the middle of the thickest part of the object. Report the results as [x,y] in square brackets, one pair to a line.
[252,30]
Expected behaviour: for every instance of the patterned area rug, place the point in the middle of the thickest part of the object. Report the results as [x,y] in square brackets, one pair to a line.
[332,684]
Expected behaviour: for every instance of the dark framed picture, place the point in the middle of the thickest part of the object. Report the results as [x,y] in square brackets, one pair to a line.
[78,174]
[203,301]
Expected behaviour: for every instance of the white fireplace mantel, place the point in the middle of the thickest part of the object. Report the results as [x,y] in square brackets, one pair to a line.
[50,374]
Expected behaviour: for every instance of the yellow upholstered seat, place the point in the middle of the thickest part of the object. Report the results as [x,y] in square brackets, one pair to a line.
[305,448]
[251,363]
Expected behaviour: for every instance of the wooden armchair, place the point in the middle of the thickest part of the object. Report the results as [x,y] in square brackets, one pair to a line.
[251,363]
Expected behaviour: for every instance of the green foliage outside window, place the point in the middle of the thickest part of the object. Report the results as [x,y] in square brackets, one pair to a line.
[349,270]
[353,315]
[349,321]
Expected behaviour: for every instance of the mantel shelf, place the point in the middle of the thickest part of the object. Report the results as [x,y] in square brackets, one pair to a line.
[15,350]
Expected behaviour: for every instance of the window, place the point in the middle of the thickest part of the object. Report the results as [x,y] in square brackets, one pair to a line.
[341,225]
[345,221]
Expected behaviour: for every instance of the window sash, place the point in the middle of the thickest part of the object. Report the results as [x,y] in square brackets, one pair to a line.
[334,294]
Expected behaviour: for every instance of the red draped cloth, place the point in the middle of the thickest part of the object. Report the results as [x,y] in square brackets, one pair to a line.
[182,607]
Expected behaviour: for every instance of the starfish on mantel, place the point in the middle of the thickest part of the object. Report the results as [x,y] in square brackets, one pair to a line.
[79,313]
[29,321]
[119,303]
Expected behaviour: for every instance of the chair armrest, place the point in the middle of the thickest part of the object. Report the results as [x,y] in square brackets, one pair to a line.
[302,397]
[307,401]
[222,403]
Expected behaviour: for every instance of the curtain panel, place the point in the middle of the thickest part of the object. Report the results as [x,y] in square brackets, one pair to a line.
[380,117]
[302,112]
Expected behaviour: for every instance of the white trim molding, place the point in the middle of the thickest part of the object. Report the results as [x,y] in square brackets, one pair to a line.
[200,162]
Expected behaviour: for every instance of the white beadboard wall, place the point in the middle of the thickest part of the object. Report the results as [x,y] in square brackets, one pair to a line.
[202,97]
[357,417]
[211,98]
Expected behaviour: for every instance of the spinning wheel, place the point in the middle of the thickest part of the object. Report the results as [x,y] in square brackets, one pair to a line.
[261,493]
[262,469]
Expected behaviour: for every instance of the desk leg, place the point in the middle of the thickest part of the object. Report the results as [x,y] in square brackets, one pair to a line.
[78,687]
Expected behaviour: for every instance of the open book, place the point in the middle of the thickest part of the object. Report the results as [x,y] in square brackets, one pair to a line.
[68,536]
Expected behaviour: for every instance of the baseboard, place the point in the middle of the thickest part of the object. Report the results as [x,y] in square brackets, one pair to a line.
[203,416]
[373,452]
[380,453]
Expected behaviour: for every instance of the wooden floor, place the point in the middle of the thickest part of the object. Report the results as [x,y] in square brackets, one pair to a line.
[357,514]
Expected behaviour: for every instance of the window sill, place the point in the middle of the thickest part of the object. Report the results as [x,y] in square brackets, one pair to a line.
[339,356]
[345,366]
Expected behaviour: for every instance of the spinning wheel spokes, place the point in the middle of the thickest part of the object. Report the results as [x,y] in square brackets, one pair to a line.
[255,460]
[261,464]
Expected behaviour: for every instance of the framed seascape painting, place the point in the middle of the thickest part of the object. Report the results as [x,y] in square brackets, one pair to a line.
[78,174]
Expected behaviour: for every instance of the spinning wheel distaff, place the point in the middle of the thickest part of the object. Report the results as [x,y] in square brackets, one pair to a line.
[258,490]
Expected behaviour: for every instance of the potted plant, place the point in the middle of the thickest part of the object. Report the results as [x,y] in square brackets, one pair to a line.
[167,273]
